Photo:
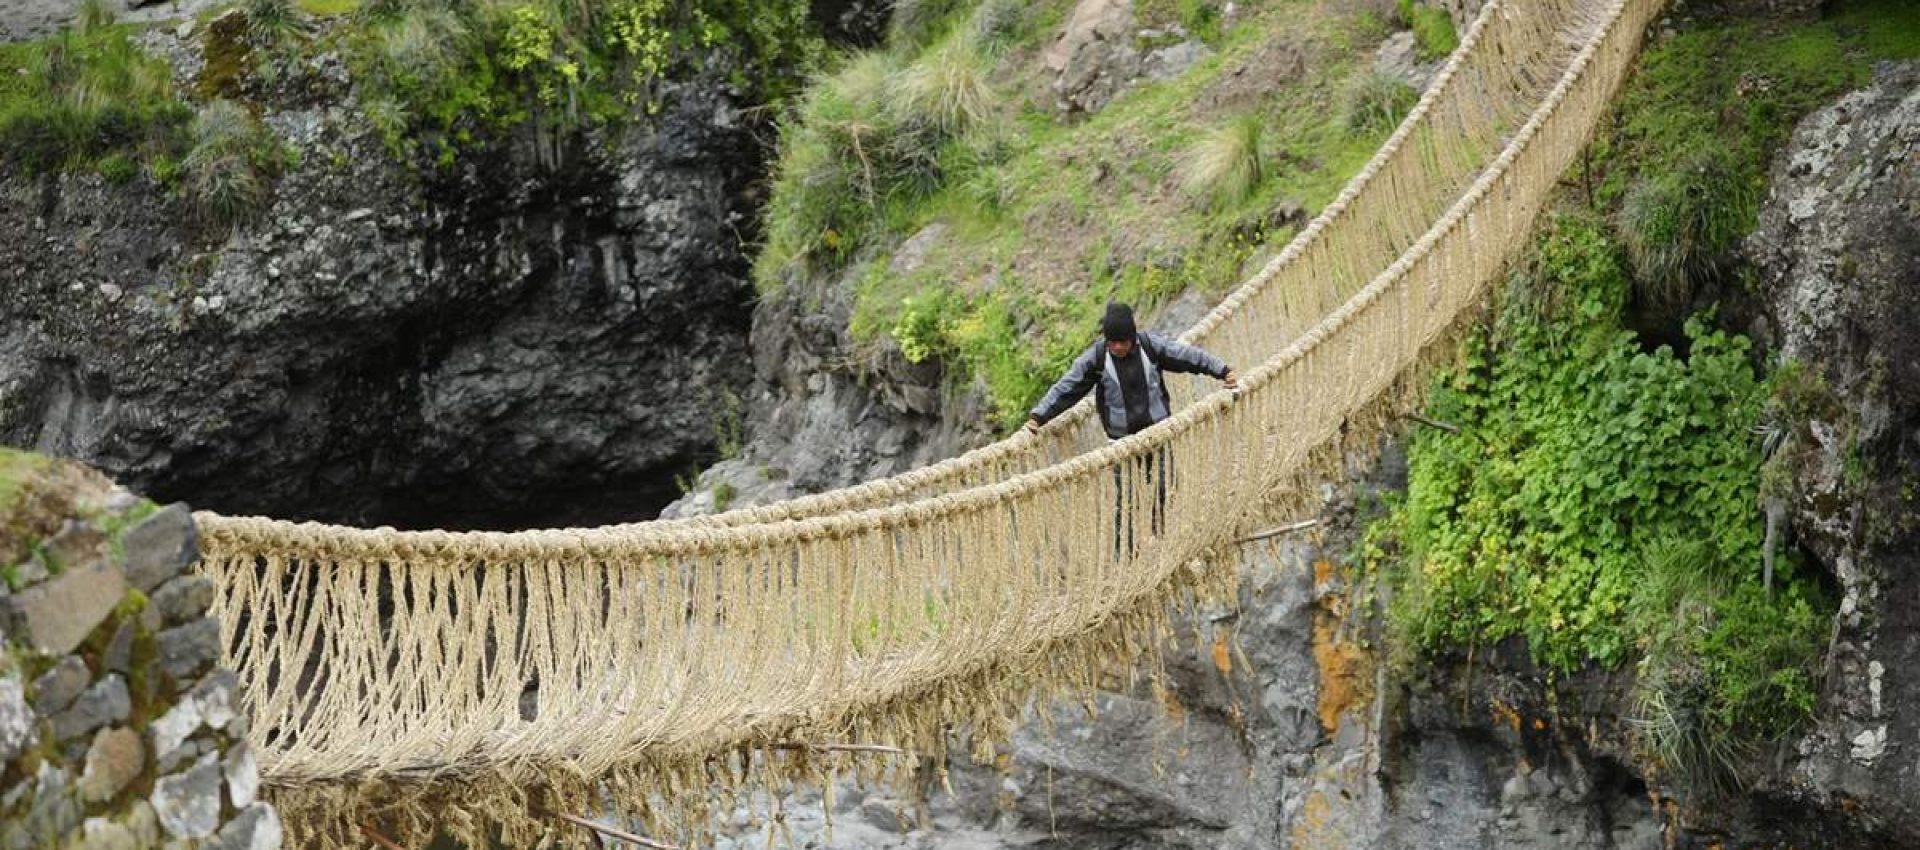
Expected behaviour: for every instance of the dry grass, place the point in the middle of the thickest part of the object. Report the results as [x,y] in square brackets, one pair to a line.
[1227,166]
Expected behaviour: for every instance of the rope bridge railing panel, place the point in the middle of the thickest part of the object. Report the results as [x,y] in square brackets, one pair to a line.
[1506,61]
[373,656]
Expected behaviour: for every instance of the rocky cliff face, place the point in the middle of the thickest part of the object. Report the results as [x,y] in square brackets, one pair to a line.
[529,337]
[1839,253]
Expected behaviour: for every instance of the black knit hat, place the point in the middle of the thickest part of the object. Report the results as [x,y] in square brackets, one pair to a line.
[1118,324]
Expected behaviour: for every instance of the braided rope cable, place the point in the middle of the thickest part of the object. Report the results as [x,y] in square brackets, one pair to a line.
[369,654]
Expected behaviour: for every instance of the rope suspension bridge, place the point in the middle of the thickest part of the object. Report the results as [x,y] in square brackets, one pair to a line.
[462,682]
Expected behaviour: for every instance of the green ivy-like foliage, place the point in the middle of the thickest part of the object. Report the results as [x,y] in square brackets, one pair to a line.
[1598,493]
[439,73]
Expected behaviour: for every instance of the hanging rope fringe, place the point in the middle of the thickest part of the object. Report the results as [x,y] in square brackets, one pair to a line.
[480,684]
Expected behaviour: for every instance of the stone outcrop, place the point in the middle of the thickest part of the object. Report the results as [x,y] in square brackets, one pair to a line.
[481,344]
[114,732]
[1838,254]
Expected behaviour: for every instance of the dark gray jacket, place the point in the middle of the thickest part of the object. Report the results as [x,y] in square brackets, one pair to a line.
[1094,370]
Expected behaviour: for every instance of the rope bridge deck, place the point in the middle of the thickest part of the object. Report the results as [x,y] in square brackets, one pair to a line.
[449,680]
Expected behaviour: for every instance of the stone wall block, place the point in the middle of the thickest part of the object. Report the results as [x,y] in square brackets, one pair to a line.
[56,689]
[103,834]
[214,696]
[118,657]
[256,828]
[57,615]
[188,804]
[51,815]
[186,651]
[243,775]
[16,720]
[115,760]
[106,702]
[160,547]
[172,730]
[183,599]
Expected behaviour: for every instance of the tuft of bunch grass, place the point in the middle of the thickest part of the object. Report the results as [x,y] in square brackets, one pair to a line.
[946,90]
[1227,166]
[274,22]
[226,171]
[94,15]
[1680,224]
[1375,102]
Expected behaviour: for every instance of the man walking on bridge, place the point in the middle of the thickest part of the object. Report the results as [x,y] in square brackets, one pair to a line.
[1125,376]
[1130,393]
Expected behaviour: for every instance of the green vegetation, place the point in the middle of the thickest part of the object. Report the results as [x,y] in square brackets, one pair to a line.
[16,468]
[328,8]
[1227,166]
[1600,500]
[1376,102]
[1433,34]
[1603,501]
[86,98]
[274,22]
[1199,18]
[229,171]
[1697,125]
[1031,221]
[440,73]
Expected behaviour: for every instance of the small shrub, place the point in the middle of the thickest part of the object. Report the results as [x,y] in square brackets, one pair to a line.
[921,331]
[117,168]
[1376,102]
[1433,32]
[1200,19]
[1680,225]
[1227,166]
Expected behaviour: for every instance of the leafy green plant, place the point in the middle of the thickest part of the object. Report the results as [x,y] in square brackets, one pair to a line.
[1227,166]
[461,69]
[1601,501]
[117,168]
[921,329]
[1199,18]
[723,495]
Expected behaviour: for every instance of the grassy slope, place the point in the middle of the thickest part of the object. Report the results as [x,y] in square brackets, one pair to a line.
[1045,219]
[1603,500]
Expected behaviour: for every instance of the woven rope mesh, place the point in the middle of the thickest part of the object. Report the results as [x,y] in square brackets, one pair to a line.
[464,682]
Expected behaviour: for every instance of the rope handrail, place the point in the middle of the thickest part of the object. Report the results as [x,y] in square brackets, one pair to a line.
[372,658]
[1075,431]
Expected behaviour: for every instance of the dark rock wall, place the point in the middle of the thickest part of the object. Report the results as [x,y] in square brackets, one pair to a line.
[518,340]
[1838,249]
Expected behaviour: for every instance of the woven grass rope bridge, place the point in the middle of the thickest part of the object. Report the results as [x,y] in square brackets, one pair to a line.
[485,683]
